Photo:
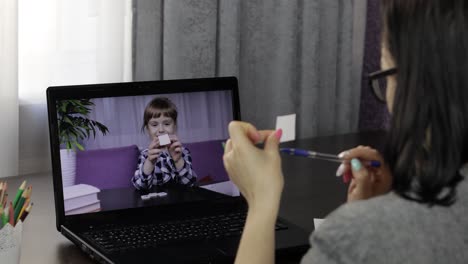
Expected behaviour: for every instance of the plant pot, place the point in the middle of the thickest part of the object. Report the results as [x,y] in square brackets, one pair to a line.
[68,164]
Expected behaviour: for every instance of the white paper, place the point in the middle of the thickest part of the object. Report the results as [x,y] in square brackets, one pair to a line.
[288,124]
[318,222]
[164,140]
[78,190]
[153,195]
[10,243]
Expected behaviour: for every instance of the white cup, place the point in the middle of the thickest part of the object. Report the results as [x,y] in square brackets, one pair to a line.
[10,243]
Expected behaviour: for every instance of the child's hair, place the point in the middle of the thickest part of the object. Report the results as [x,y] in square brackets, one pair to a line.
[157,107]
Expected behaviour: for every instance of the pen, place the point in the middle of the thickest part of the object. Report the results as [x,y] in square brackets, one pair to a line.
[321,156]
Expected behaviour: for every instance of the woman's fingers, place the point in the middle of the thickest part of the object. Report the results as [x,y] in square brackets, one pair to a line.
[361,187]
[241,132]
[361,152]
[263,135]
[228,146]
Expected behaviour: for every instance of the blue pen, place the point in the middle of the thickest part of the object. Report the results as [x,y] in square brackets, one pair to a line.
[322,156]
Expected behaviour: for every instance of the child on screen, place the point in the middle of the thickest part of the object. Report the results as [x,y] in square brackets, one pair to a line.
[165,160]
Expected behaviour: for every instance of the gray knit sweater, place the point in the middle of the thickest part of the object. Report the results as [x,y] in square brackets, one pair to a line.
[390,229]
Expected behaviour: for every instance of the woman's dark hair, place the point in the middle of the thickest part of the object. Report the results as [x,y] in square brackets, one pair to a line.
[157,107]
[428,138]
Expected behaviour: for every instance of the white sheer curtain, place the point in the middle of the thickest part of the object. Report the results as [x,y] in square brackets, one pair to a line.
[8,88]
[65,42]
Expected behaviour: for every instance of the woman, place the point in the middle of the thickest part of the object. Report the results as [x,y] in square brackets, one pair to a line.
[414,209]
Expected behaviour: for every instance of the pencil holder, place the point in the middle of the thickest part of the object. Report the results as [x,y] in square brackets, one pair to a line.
[10,243]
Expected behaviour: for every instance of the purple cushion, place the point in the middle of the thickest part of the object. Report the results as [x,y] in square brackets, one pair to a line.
[107,168]
[207,161]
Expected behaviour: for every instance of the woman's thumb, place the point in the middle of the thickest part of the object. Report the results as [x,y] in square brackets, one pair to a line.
[272,142]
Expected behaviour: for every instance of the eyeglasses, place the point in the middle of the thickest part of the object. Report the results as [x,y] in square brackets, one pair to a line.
[378,83]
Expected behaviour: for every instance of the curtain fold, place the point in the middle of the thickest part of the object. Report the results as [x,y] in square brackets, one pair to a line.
[302,56]
[9,87]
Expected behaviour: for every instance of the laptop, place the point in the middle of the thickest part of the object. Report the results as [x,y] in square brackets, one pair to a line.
[138,173]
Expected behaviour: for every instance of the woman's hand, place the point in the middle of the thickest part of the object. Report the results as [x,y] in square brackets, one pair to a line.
[256,172]
[366,181]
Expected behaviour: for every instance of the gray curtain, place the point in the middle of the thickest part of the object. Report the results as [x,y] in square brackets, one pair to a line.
[373,114]
[301,56]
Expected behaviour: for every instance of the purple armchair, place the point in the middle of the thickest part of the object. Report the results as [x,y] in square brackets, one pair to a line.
[107,168]
[207,160]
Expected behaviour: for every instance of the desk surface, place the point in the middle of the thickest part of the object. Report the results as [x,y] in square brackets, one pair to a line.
[311,191]
[123,198]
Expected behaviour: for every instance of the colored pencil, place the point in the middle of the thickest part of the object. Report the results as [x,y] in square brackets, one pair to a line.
[20,203]
[11,215]
[26,204]
[1,216]
[26,212]
[5,216]
[18,194]
[3,194]
[5,200]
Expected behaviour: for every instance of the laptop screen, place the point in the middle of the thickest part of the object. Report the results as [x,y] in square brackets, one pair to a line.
[120,152]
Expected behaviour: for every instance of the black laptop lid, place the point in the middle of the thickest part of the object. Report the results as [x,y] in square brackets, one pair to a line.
[102,135]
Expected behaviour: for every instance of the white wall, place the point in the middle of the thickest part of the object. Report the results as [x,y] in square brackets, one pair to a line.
[34,149]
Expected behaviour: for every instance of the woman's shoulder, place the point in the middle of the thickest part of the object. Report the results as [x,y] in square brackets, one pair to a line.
[352,231]
[371,213]
[392,210]
[386,226]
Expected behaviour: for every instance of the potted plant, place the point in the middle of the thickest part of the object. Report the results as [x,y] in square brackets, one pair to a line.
[74,126]
[73,123]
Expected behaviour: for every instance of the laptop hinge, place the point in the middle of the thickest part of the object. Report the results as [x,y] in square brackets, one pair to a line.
[85,247]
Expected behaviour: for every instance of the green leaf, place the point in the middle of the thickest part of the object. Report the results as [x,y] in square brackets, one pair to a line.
[74,124]
[79,146]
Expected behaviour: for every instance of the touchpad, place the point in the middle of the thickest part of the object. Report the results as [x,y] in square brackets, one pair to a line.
[228,246]
[180,253]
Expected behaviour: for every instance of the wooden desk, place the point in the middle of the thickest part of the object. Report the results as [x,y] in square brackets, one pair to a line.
[311,191]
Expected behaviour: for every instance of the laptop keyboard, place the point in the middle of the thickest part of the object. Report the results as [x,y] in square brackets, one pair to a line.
[156,234]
